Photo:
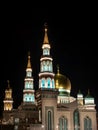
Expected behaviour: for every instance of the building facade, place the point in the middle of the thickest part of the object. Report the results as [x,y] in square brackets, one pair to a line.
[51,107]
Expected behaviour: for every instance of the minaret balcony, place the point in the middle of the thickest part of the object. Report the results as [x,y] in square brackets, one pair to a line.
[28,91]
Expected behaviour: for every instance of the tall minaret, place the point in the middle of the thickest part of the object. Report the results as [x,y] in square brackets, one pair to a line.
[8,100]
[47,94]
[28,92]
[46,75]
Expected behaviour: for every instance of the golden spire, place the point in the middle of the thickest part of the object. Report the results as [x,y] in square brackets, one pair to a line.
[29,63]
[46,36]
[58,71]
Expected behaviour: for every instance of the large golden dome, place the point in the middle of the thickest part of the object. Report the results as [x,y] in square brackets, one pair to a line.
[62,82]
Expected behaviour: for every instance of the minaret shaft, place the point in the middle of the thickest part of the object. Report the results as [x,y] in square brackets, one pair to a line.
[28,92]
[46,75]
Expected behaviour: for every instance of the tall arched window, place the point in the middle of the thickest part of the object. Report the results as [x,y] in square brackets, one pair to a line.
[48,83]
[31,85]
[49,121]
[43,83]
[50,66]
[87,123]
[76,120]
[63,124]
[53,85]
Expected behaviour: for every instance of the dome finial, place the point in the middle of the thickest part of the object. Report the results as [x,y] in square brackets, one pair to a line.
[29,63]
[45,36]
[58,71]
[88,92]
[79,91]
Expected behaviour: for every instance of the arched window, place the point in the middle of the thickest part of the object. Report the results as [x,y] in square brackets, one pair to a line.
[31,84]
[53,85]
[49,120]
[41,66]
[87,123]
[48,83]
[63,124]
[46,51]
[43,83]
[26,84]
[50,66]
[76,120]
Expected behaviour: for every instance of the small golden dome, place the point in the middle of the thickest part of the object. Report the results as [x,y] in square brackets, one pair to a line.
[62,82]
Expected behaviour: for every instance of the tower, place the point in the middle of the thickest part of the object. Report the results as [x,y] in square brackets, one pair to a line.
[8,100]
[28,92]
[47,94]
[46,75]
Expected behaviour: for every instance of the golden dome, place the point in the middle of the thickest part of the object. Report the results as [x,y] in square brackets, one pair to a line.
[62,82]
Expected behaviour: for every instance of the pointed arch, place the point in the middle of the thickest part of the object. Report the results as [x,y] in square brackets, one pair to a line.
[48,83]
[43,83]
[63,123]
[76,119]
[50,118]
[87,123]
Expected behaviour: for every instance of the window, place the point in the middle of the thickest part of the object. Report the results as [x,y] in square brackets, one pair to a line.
[76,120]
[43,83]
[49,121]
[62,123]
[48,82]
[87,123]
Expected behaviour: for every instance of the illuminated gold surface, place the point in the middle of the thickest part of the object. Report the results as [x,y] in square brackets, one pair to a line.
[29,63]
[46,36]
[62,81]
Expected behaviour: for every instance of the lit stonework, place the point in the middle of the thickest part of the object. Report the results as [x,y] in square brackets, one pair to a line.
[8,101]
[51,107]
[28,92]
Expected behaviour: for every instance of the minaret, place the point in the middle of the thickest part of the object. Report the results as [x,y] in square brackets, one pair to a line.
[28,92]
[8,100]
[46,75]
[47,94]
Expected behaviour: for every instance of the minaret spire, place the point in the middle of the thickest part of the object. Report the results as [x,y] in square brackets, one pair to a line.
[29,62]
[45,36]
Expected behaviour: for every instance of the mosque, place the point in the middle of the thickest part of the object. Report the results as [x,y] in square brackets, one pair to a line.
[51,106]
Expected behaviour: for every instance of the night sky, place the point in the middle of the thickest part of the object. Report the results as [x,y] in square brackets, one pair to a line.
[72,47]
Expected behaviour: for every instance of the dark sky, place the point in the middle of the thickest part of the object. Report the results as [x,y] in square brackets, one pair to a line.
[72,47]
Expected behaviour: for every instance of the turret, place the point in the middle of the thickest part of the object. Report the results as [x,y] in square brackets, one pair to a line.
[8,100]
[80,98]
[89,101]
